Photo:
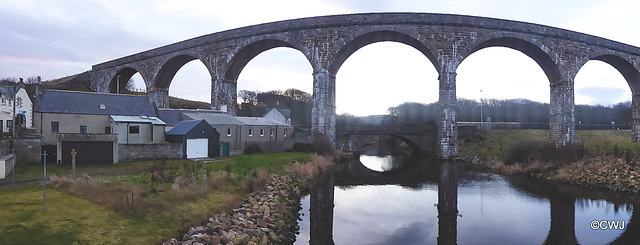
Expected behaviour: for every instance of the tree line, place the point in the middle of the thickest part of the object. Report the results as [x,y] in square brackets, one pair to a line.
[512,110]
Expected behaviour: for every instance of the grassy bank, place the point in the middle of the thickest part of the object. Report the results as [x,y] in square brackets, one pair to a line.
[146,204]
[601,158]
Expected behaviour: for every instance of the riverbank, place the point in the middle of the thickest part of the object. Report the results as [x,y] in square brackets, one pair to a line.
[268,216]
[601,159]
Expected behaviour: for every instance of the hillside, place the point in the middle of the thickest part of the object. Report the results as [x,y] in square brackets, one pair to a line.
[82,82]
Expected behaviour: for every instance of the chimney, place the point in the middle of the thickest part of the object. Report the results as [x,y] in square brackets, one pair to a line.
[39,80]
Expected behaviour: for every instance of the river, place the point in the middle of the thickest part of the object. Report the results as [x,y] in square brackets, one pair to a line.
[391,200]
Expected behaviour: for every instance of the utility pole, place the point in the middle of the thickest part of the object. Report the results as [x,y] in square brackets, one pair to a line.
[481,120]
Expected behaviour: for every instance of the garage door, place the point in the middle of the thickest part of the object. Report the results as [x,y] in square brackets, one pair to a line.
[197,148]
[88,152]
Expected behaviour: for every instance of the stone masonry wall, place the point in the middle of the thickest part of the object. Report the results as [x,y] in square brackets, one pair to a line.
[134,152]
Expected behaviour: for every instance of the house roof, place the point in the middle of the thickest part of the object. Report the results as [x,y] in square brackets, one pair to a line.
[7,91]
[72,102]
[184,127]
[138,119]
[285,112]
[173,117]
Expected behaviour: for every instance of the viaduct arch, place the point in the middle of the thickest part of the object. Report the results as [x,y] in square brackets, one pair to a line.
[327,41]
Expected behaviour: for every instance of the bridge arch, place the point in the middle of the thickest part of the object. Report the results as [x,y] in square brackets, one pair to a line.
[252,49]
[169,69]
[624,66]
[363,39]
[541,55]
[125,74]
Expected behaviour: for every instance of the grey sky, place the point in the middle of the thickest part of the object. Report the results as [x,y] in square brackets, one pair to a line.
[60,38]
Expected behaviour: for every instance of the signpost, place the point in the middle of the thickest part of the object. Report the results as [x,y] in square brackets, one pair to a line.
[73,162]
[44,181]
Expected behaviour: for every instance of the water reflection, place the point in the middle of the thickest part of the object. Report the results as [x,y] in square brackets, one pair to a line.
[445,203]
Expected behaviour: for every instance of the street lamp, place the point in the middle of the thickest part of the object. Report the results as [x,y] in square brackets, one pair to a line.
[118,85]
[481,106]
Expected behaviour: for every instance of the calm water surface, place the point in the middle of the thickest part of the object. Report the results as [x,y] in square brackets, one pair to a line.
[401,207]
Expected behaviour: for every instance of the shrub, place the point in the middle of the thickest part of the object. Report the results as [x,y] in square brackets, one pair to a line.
[314,170]
[302,147]
[252,149]
[525,152]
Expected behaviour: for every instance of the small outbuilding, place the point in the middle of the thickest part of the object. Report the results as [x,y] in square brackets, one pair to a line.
[198,138]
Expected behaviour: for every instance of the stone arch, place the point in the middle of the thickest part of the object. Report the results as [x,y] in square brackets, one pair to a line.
[125,74]
[169,69]
[364,39]
[364,141]
[528,46]
[624,66]
[252,49]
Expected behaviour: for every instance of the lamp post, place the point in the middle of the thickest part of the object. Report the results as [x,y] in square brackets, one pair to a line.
[118,85]
[481,120]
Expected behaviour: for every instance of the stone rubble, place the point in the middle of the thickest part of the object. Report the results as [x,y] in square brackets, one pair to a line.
[265,217]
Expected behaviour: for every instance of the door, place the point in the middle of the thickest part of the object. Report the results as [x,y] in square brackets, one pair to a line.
[88,152]
[225,149]
[197,148]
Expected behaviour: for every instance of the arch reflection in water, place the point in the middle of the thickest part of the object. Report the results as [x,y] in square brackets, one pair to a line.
[492,209]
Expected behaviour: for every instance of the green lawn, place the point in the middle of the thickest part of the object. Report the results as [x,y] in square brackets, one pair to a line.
[495,143]
[68,219]
[98,218]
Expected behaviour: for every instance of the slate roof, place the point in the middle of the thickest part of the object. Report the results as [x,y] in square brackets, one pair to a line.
[72,102]
[138,119]
[285,112]
[183,127]
[175,116]
[7,91]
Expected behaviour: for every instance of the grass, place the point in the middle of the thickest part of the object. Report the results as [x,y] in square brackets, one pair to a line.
[495,143]
[99,210]
[68,219]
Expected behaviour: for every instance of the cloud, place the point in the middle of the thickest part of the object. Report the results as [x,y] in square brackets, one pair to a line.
[412,234]
[597,95]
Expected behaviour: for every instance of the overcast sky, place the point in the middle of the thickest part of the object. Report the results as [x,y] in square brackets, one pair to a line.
[60,38]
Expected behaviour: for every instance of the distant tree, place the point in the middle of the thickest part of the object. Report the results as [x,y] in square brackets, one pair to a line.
[248,96]
[130,86]
[9,79]
[31,80]
[297,95]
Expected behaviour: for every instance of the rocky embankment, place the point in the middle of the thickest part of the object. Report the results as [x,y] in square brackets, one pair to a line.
[265,217]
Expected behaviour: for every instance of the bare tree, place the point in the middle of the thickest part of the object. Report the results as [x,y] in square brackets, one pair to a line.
[248,96]
[9,79]
[298,95]
[31,80]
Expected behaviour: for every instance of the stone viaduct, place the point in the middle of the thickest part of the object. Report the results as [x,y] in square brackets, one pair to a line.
[420,138]
[327,41]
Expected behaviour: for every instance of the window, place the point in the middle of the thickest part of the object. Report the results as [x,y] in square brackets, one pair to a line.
[250,132]
[19,103]
[229,132]
[271,133]
[4,100]
[262,132]
[83,129]
[134,129]
[285,133]
[55,127]
[107,130]
[9,123]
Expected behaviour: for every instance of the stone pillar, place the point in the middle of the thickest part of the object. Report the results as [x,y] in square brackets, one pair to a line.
[224,96]
[635,115]
[323,113]
[447,125]
[321,211]
[160,96]
[561,117]
[448,203]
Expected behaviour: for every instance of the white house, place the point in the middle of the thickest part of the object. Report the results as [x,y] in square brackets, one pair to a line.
[23,106]
[280,115]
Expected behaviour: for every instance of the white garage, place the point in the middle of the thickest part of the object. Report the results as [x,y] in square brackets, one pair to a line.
[197,148]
